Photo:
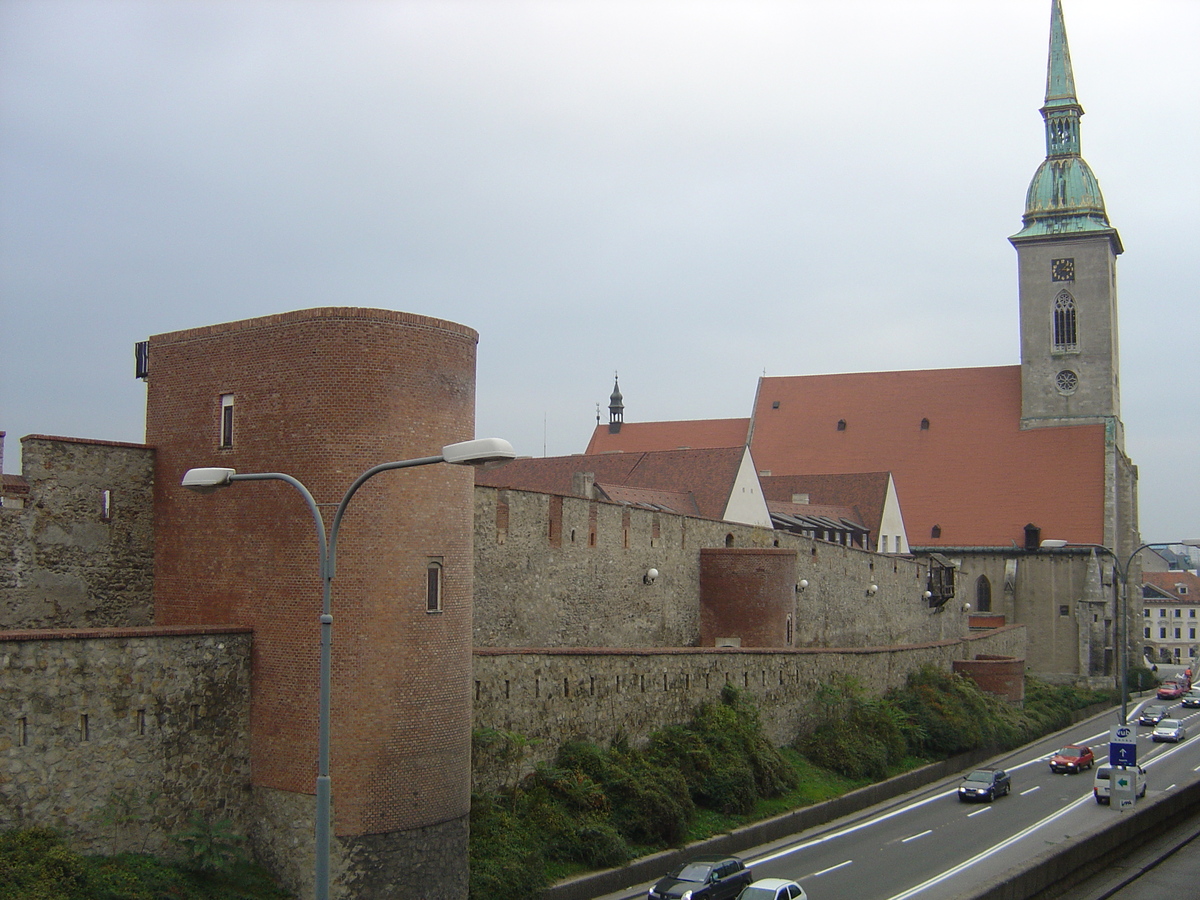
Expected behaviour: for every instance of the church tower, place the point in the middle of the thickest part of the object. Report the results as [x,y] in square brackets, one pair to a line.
[1067,261]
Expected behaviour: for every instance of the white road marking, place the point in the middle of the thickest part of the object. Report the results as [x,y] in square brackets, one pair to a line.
[978,811]
[915,836]
[840,865]
[951,872]
[1036,787]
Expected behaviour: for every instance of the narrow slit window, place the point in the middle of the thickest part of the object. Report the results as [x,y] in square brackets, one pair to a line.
[106,506]
[226,421]
[433,586]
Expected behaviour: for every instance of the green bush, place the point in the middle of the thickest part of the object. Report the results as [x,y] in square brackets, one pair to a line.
[36,864]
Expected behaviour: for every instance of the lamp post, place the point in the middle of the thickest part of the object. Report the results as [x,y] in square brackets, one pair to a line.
[480,452]
[1123,574]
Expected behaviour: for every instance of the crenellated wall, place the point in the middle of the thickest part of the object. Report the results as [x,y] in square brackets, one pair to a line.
[559,571]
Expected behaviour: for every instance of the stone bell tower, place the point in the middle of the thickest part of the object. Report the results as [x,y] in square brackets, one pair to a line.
[1067,253]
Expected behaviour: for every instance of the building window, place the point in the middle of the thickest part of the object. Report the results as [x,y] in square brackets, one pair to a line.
[1065,338]
[433,586]
[1147,630]
[983,594]
[1191,634]
[1064,610]
[935,531]
[1146,613]
[106,506]
[1178,613]
[226,421]
[1162,634]
[1178,634]
[1066,381]
[897,543]
[1162,613]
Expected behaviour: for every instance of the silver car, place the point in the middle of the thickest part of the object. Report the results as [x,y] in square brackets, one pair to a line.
[1169,730]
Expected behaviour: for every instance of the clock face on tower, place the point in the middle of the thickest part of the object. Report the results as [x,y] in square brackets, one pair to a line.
[1062,269]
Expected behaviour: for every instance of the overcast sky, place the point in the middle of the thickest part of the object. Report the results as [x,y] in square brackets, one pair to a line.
[687,193]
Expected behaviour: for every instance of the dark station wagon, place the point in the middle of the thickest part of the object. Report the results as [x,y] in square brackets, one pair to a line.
[985,784]
[703,878]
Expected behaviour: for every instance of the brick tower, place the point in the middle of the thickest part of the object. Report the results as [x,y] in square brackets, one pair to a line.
[323,395]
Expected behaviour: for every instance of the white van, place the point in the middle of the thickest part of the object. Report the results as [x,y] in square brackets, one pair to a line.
[1102,783]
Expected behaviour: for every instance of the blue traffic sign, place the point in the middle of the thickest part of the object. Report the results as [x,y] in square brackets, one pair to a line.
[1122,746]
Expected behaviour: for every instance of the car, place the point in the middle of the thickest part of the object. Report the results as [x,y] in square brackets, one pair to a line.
[1191,699]
[1072,758]
[703,878]
[1102,782]
[1169,730]
[1169,690]
[985,784]
[1151,715]
[773,889]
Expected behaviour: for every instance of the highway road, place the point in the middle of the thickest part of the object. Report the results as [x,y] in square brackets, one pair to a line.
[930,845]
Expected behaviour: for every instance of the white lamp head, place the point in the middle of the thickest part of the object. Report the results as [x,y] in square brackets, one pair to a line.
[486,452]
[207,480]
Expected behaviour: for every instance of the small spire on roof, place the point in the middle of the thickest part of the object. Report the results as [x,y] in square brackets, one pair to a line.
[616,408]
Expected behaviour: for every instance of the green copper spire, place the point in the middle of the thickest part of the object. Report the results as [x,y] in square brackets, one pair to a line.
[1064,196]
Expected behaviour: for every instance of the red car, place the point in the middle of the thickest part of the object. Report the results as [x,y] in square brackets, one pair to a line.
[1170,690]
[1072,758]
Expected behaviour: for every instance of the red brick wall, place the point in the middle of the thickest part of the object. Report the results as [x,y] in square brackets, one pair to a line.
[747,594]
[323,395]
[1003,676]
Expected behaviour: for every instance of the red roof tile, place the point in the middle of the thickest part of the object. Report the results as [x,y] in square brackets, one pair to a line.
[688,434]
[707,474]
[969,469]
[1168,583]
[862,493]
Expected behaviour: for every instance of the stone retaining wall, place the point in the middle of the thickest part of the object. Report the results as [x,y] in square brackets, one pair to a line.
[552,695]
[149,724]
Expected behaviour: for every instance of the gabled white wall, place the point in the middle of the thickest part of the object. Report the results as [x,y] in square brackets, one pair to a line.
[746,504]
[892,522]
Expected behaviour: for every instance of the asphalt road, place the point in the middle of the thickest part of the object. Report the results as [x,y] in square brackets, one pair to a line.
[930,845]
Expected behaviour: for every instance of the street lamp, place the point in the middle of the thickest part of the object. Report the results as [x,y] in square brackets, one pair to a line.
[484,452]
[1122,573]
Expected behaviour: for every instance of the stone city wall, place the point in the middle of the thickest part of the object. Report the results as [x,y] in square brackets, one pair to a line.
[118,736]
[550,696]
[560,571]
[80,553]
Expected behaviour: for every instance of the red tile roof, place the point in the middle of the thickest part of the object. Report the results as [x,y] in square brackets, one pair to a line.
[707,474]
[862,494]
[970,470]
[680,502]
[1168,582]
[694,434]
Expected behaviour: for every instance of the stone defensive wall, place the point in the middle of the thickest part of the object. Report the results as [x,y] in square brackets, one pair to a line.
[553,695]
[117,737]
[564,571]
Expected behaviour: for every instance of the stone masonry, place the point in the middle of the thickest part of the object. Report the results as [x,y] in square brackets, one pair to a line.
[148,723]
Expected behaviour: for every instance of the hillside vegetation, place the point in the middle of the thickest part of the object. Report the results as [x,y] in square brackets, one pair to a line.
[598,807]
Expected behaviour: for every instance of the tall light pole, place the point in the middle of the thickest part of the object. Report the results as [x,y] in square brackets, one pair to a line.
[481,452]
[1122,571]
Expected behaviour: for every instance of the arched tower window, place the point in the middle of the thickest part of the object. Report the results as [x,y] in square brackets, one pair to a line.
[983,594]
[1065,331]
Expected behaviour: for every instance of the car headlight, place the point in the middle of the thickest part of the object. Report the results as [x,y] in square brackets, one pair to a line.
[687,895]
